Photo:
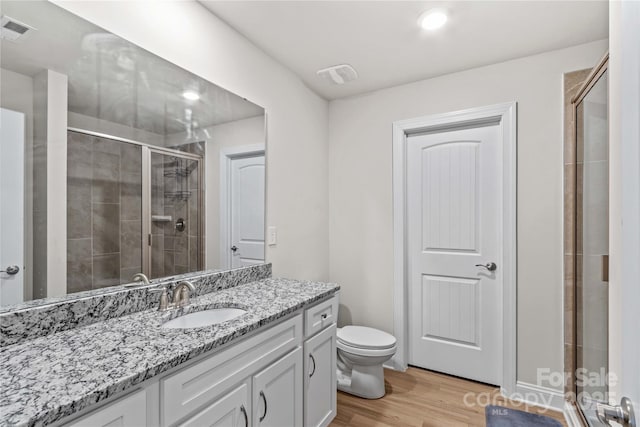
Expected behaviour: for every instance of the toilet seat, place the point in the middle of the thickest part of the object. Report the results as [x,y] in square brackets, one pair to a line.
[355,338]
[370,352]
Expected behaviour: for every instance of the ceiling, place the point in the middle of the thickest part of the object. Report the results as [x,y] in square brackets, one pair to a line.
[382,41]
[112,79]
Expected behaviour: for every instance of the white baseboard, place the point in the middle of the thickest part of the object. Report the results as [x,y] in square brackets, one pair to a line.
[545,397]
[571,415]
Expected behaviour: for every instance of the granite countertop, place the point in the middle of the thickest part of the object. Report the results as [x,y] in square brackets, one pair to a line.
[46,379]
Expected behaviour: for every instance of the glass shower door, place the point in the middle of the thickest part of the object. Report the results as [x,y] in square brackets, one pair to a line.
[175,214]
[104,211]
[592,248]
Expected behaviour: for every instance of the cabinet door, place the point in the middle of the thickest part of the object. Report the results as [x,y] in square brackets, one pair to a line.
[277,393]
[129,411]
[320,378]
[232,410]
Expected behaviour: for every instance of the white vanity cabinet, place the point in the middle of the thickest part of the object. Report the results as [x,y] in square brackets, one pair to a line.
[232,410]
[284,375]
[320,378]
[129,410]
[320,383]
[277,393]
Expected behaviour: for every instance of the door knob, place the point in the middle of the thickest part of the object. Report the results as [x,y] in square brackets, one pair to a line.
[234,248]
[491,266]
[622,414]
[12,269]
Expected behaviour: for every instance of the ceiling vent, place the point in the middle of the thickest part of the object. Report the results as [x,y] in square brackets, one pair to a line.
[13,29]
[339,74]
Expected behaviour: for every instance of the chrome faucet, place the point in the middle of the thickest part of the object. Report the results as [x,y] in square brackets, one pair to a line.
[141,277]
[181,295]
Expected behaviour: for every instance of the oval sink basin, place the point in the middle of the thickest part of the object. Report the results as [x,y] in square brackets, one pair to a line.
[204,318]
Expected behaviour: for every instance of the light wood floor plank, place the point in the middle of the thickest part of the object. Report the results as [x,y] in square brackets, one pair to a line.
[421,398]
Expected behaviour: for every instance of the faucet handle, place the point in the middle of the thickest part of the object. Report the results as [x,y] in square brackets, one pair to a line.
[182,292]
[182,298]
[164,297]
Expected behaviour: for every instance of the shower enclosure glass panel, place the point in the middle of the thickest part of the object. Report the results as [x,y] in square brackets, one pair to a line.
[176,214]
[110,236]
[592,248]
[104,212]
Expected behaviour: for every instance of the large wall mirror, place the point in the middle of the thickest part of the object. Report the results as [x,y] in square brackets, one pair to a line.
[114,161]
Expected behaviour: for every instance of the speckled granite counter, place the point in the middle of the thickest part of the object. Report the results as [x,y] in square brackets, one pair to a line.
[48,378]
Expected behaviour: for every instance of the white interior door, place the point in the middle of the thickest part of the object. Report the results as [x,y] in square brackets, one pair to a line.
[12,140]
[454,207]
[246,189]
[624,132]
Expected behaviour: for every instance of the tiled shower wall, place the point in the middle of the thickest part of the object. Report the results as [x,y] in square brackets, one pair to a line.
[104,212]
[175,195]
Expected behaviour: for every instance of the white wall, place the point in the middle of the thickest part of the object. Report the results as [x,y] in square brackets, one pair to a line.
[188,35]
[360,196]
[50,184]
[16,93]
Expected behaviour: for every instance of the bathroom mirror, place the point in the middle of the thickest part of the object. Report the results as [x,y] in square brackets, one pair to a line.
[115,161]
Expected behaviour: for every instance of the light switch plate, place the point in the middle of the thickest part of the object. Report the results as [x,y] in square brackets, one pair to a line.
[272,236]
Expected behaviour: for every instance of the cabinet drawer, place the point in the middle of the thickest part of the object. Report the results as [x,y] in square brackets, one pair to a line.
[130,410]
[193,387]
[320,316]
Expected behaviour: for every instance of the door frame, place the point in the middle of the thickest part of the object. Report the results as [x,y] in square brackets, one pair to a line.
[505,116]
[226,156]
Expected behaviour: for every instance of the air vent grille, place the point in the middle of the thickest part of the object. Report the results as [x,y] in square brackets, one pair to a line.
[339,74]
[14,26]
[12,29]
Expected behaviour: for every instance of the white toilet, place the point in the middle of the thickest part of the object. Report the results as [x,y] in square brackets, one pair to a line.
[361,353]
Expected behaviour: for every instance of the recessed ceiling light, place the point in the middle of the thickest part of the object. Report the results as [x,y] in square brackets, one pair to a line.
[190,95]
[433,19]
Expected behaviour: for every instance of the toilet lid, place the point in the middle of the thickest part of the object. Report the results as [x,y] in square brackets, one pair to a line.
[363,337]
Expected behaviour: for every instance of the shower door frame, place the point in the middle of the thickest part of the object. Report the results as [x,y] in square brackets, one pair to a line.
[147,240]
[147,150]
[594,76]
